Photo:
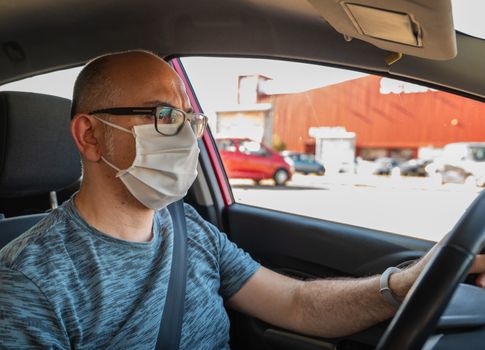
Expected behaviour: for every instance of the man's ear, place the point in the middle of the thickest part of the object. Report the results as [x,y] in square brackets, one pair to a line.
[86,137]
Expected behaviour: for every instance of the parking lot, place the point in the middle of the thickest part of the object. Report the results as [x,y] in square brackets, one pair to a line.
[413,206]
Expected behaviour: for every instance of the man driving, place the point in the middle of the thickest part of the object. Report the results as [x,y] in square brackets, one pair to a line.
[94,273]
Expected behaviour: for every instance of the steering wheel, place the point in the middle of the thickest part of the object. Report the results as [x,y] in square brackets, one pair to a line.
[418,315]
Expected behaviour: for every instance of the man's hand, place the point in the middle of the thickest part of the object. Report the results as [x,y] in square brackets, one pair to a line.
[478,267]
[401,282]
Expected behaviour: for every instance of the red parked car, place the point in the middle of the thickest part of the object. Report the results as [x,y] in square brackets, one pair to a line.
[248,159]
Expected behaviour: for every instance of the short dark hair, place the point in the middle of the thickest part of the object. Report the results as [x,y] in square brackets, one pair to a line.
[89,85]
[94,88]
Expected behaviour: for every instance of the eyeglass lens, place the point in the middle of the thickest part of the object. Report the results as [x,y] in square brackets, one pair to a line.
[170,121]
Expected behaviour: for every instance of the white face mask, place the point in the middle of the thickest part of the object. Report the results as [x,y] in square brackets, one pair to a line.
[164,167]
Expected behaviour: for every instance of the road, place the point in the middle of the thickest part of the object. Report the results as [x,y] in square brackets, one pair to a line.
[405,205]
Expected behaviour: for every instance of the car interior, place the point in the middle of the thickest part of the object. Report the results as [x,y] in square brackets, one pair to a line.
[414,41]
[27,189]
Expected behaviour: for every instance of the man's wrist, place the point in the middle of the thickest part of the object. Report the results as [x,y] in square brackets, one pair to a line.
[400,283]
[385,287]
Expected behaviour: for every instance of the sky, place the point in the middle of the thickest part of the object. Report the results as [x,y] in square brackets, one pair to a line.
[468,17]
[218,91]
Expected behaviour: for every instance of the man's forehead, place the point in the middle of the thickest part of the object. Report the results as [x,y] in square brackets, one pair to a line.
[176,82]
[167,92]
[154,74]
[169,85]
[155,82]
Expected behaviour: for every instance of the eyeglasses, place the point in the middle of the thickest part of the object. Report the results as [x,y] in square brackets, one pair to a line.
[168,120]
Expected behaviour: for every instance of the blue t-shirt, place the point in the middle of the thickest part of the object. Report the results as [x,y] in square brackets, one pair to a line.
[64,284]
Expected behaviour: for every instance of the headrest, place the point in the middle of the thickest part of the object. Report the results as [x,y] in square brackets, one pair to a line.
[37,153]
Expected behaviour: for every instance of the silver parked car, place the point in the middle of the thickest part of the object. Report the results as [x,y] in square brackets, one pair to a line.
[461,162]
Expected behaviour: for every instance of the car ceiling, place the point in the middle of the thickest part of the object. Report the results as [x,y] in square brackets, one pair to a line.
[45,35]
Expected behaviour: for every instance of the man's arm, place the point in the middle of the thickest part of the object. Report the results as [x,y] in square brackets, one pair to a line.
[327,308]
[26,317]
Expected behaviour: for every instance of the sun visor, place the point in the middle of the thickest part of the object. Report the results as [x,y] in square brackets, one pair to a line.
[420,28]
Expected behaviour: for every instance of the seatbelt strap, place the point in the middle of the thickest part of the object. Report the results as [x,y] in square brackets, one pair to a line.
[173,311]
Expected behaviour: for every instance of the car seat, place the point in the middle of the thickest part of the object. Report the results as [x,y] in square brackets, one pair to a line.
[38,159]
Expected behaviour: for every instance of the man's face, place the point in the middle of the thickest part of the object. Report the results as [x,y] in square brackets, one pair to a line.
[144,81]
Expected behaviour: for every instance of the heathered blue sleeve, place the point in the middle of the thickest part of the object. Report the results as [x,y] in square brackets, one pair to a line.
[236,266]
[26,318]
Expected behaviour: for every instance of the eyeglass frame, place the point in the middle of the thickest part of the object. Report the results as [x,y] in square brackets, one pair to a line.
[131,111]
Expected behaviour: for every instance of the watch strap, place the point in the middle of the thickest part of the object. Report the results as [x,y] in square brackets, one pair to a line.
[384,288]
